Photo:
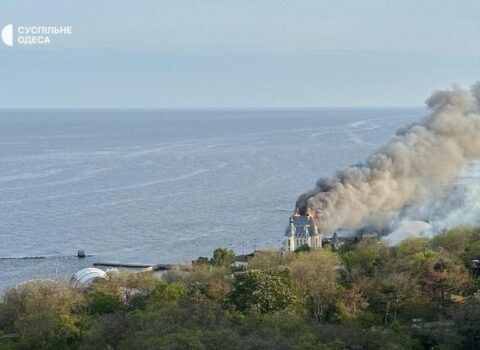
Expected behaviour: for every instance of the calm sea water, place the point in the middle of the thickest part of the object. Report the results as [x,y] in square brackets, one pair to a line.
[164,186]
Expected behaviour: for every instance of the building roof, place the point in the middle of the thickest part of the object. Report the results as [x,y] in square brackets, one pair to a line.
[244,257]
[301,226]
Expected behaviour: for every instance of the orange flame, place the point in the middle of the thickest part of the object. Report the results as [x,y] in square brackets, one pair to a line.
[310,213]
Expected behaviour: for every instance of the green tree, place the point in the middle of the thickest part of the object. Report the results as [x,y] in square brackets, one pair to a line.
[223,257]
[315,280]
[303,249]
[363,256]
[456,240]
[164,292]
[100,302]
[6,342]
[269,259]
[412,246]
[107,332]
[389,339]
[472,251]
[44,313]
[262,291]
[174,341]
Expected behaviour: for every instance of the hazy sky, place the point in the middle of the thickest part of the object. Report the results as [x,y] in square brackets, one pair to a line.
[243,53]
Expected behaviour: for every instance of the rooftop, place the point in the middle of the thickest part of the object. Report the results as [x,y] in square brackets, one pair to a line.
[301,225]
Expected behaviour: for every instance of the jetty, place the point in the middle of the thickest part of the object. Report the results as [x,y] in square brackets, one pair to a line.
[145,267]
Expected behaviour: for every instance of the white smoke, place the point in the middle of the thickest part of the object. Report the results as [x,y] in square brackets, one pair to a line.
[414,169]
[408,229]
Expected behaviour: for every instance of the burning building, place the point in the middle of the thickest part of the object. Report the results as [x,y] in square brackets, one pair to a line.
[301,230]
[411,171]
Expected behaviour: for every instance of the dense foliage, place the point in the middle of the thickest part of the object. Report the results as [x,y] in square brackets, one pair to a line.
[421,294]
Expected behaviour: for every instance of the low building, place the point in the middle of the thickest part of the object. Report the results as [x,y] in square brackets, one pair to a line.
[301,230]
[242,260]
[335,242]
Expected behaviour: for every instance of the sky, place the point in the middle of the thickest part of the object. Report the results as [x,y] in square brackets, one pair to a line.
[239,53]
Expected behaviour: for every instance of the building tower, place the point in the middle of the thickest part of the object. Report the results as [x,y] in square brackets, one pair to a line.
[301,230]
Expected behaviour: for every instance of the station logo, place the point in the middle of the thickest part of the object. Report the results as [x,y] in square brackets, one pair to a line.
[7,35]
[33,35]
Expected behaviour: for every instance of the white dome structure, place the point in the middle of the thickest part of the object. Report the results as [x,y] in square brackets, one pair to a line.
[85,277]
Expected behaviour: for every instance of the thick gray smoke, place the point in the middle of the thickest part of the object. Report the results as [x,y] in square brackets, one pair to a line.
[415,167]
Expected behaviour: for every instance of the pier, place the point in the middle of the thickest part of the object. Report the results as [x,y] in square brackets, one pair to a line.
[145,267]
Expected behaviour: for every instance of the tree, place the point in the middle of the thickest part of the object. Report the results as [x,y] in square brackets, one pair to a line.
[107,332]
[6,343]
[363,256]
[315,280]
[472,251]
[174,341]
[389,339]
[121,291]
[100,302]
[350,305]
[269,259]
[303,249]
[261,291]
[164,292]
[441,278]
[394,290]
[44,313]
[412,246]
[455,240]
[223,257]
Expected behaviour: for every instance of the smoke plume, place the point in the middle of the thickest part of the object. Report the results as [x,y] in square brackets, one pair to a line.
[415,167]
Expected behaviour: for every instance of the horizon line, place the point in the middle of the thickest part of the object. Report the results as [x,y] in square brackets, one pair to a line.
[284,108]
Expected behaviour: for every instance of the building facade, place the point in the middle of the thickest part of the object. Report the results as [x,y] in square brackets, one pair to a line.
[301,230]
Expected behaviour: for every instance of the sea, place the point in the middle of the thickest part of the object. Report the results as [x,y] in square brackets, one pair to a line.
[165,186]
